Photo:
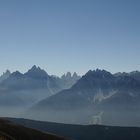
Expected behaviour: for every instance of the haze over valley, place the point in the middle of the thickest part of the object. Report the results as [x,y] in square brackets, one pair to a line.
[69,69]
[98,97]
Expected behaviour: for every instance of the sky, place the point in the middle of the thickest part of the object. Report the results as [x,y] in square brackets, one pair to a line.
[70,35]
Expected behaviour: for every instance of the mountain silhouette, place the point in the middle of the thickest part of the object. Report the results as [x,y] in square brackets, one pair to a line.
[97,91]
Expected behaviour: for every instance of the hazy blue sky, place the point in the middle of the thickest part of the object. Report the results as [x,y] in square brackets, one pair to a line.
[70,35]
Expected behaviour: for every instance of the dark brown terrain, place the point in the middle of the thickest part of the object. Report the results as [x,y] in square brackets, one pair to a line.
[13,131]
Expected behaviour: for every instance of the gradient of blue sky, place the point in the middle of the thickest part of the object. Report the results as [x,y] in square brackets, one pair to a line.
[70,35]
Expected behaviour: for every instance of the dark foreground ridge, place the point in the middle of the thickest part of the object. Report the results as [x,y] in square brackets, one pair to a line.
[14,131]
[83,132]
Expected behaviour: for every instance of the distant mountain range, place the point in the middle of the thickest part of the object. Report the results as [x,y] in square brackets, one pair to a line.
[37,78]
[24,90]
[98,97]
[93,88]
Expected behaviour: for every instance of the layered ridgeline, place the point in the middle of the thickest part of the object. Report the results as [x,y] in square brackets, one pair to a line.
[99,97]
[20,91]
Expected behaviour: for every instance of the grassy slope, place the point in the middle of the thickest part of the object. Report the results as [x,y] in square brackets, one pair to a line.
[80,132]
[20,132]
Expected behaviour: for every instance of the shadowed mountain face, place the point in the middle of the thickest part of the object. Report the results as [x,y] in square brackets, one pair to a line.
[12,131]
[134,74]
[36,73]
[20,91]
[98,97]
[83,132]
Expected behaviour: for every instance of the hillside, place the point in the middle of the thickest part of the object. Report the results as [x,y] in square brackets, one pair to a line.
[13,131]
[83,132]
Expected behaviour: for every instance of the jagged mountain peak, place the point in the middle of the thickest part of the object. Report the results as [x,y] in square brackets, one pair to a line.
[16,74]
[69,75]
[66,76]
[36,72]
[99,74]
[35,68]
[69,79]
[5,75]
[7,72]
[134,74]
[75,74]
